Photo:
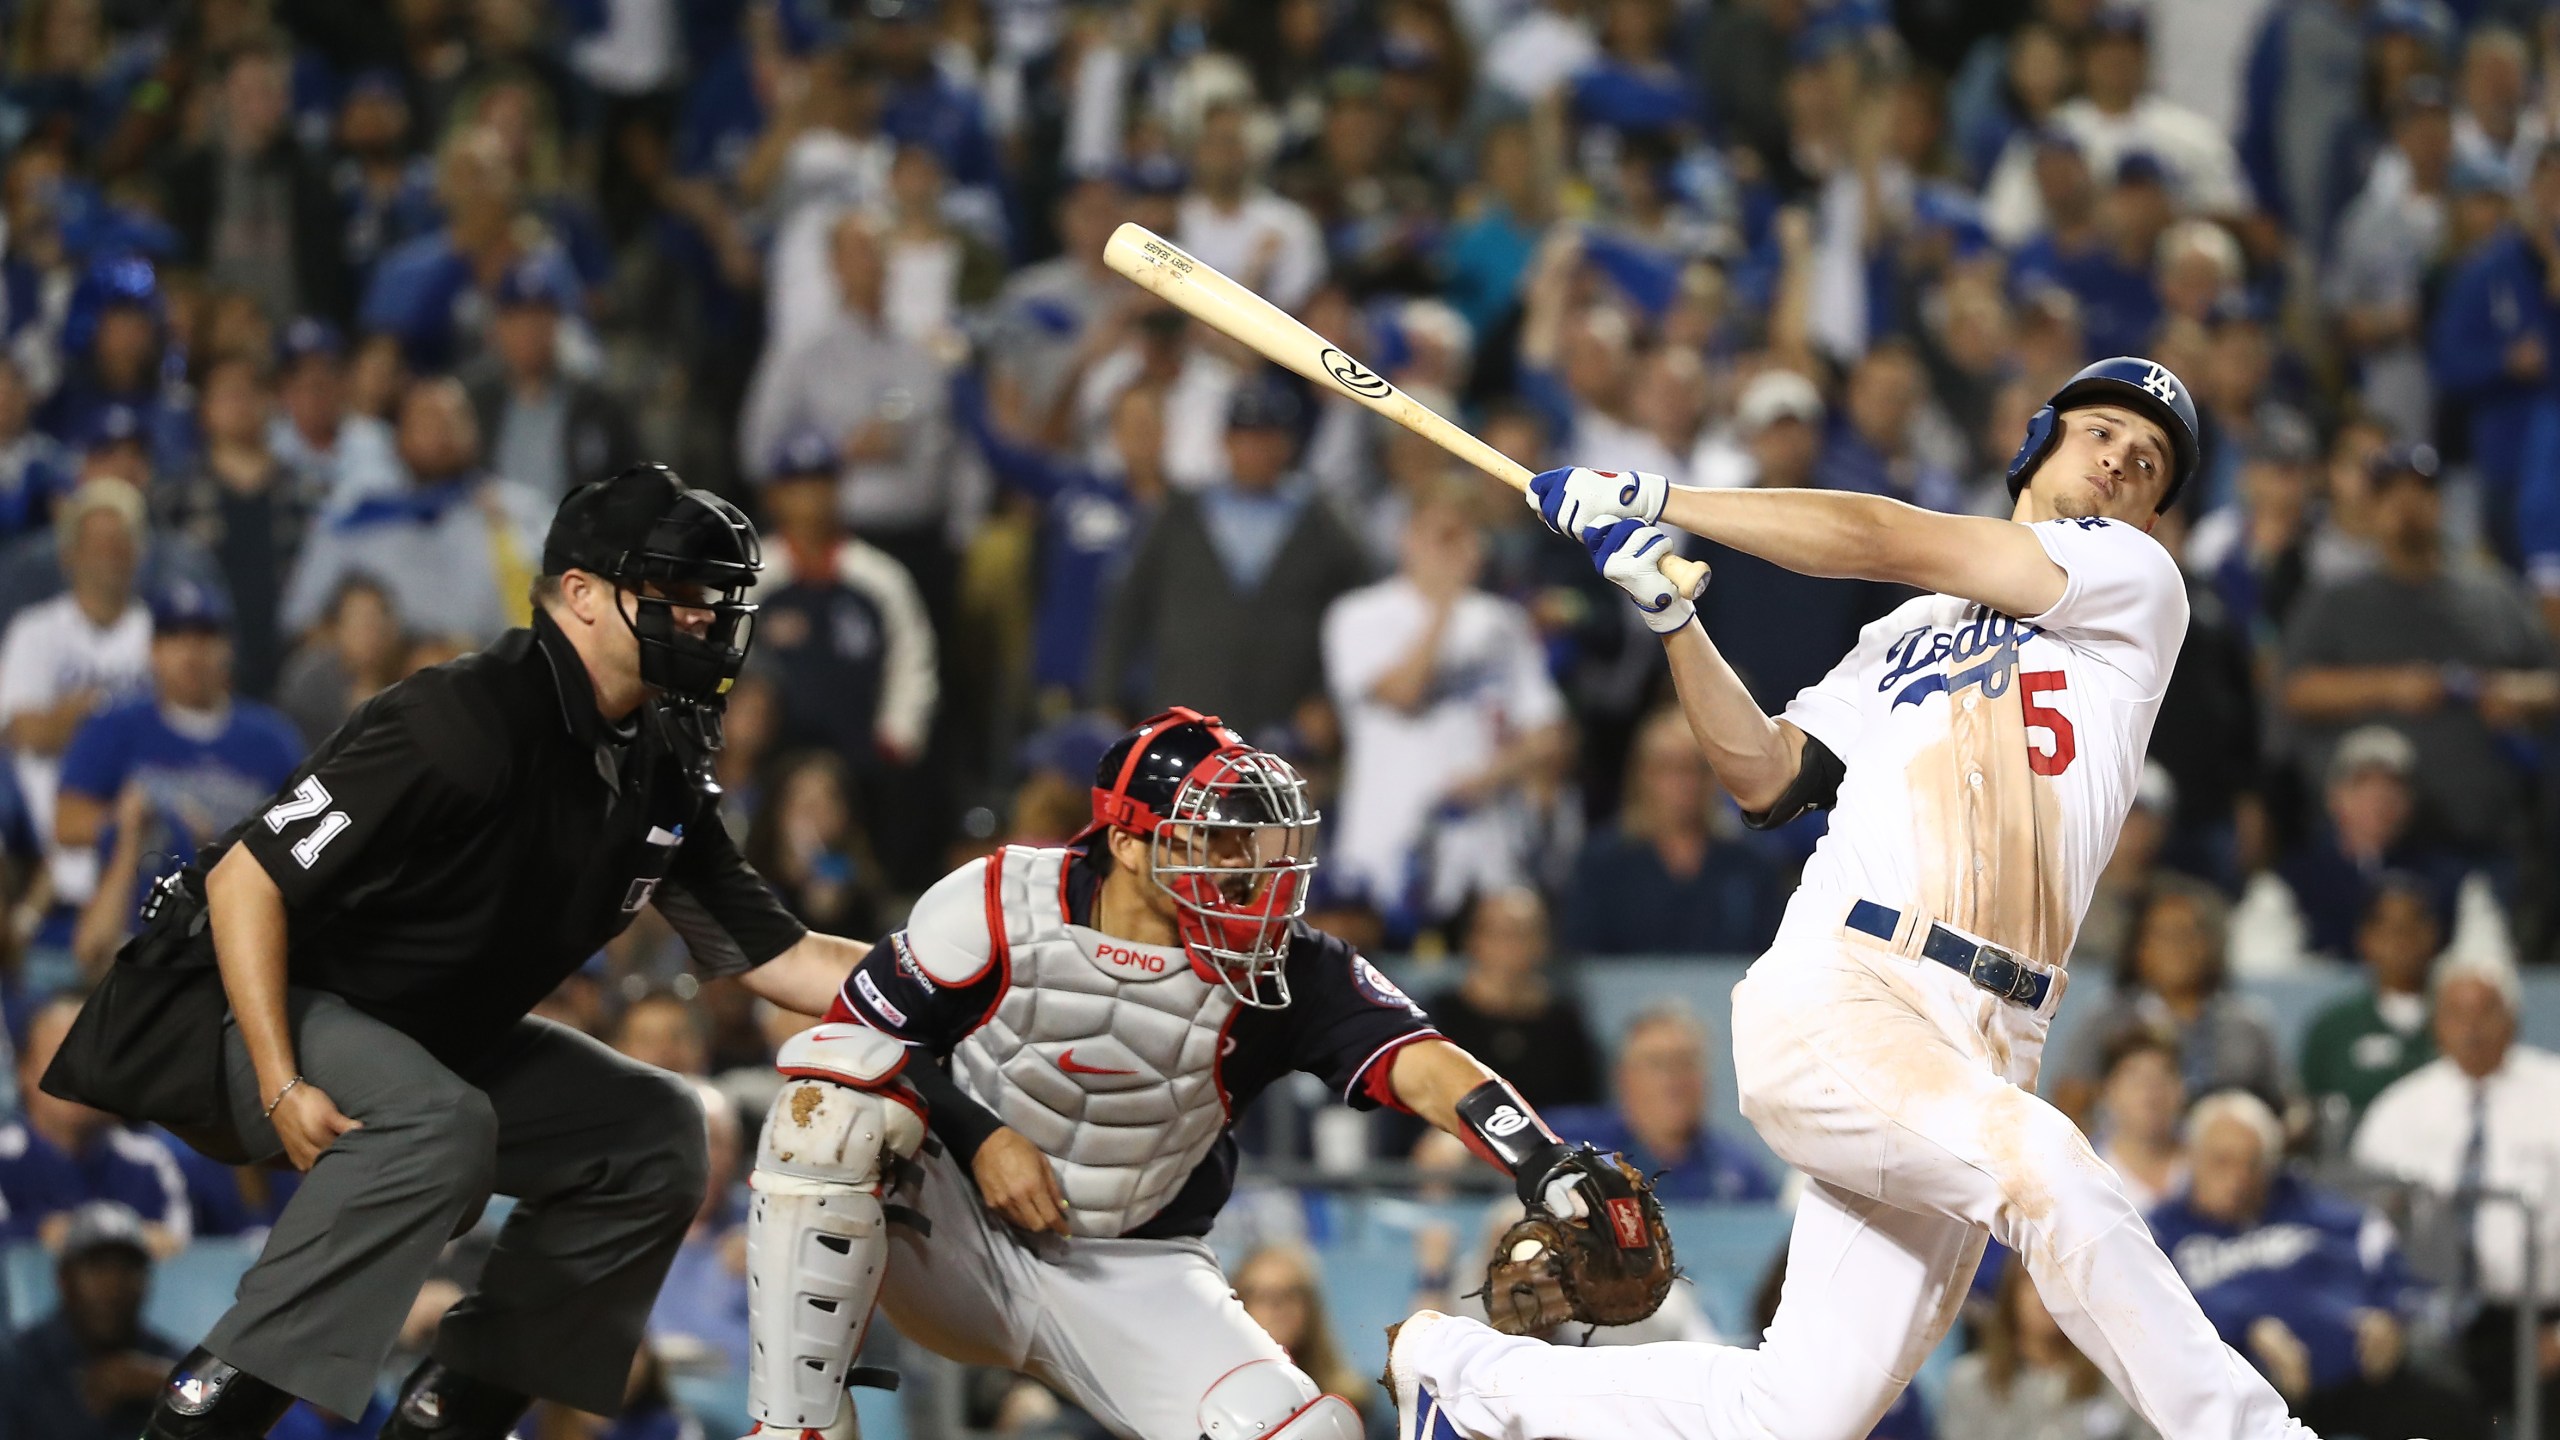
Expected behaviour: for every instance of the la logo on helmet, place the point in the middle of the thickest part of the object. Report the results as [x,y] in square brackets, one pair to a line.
[2159,382]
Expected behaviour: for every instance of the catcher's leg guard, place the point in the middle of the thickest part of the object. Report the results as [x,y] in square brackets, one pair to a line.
[816,1242]
[441,1403]
[1274,1400]
[208,1398]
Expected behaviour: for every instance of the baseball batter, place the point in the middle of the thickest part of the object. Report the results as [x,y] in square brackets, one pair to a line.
[1979,748]
[1013,1128]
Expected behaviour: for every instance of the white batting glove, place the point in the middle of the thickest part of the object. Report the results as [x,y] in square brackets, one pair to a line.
[1629,555]
[1575,500]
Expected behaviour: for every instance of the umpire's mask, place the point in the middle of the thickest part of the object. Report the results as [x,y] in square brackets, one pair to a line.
[646,528]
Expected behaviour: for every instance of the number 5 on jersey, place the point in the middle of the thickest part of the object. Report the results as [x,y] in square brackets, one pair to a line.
[2066,745]
[308,799]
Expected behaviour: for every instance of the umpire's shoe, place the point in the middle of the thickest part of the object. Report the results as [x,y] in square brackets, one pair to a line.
[437,1403]
[208,1398]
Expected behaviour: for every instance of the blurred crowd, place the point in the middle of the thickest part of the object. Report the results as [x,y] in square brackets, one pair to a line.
[310,312]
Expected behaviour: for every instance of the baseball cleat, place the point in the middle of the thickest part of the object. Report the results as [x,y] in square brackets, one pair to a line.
[1418,1415]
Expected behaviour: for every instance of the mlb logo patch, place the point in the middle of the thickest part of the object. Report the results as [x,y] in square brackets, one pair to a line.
[1627,1218]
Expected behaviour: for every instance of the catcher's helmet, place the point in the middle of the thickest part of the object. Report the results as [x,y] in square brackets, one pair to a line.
[1229,830]
[2129,380]
[643,528]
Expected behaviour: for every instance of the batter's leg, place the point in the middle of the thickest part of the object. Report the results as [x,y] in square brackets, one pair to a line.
[1850,1080]
[1870,1291]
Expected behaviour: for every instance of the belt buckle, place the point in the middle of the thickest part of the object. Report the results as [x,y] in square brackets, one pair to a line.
[2002,972]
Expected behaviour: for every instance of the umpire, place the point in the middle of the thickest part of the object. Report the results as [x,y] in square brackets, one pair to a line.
[345,980]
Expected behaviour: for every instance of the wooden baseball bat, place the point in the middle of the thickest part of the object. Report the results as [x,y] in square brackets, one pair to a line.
[1229,308]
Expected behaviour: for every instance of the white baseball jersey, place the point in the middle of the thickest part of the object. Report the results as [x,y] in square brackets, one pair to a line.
[1990,760]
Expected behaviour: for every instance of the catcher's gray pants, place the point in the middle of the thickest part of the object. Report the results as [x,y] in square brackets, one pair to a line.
[605,1156]
[1133,1331]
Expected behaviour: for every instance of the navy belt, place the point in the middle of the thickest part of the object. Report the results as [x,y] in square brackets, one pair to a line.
[1989,967]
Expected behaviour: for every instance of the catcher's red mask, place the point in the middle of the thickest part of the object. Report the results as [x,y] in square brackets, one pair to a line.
[1230,836]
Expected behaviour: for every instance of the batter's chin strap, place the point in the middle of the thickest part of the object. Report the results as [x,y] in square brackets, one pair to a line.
[1504,1132]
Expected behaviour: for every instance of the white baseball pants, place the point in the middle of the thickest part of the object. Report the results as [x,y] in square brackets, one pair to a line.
[1899,1089]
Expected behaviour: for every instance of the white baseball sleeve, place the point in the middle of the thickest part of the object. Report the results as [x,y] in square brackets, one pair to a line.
[2122,597]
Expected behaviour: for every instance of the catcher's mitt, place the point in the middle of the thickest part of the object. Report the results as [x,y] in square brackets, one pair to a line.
[1613,1268]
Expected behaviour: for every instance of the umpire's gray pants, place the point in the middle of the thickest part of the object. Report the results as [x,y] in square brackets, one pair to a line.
[605,1156]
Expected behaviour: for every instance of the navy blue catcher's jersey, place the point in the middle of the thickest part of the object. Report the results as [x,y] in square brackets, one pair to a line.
[1343,1018]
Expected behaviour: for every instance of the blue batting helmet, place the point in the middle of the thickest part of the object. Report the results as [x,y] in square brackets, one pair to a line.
[2143,385]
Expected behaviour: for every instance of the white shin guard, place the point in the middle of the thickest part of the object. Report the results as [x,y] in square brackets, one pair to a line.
[817,1240]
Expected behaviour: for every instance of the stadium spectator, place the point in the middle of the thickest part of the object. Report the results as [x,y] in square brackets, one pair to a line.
[1222,602]
[2024,1380]
[254,210]
[337,450]
[2173,980]
[357,650]
[2255,554]
[35,469]
[1089,516]
[702,1308]
[2141,1102]
[1660,1119]
[2388,240]
[1508,1010]
[546,430]
[807,843]
[881,398]
[842,623]
[161,774]
[60,661]
[247,509]
[2472,1122]
[2307,1285]
[2369,830]
[2489,339]
[1234,224]
[385,189]
[2105,269]
[1662,880]
[1282,1289]
[1452,733]
[431,294]
[2452,656]
[2361,1043]
[58,1156]
[91,1370]
[456,550]
[661,1029]
[1046,312]
[114,338]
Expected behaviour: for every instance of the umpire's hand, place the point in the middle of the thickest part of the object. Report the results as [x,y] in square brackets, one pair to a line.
[1018,1183]
[308,1122]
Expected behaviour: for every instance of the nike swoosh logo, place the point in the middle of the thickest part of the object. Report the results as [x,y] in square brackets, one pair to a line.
[1067,1062]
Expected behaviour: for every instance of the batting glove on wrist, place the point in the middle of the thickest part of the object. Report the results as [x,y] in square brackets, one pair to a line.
[1575,500]
[1629,555]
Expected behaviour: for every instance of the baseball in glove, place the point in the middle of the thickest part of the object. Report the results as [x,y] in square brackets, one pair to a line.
[1611,1267]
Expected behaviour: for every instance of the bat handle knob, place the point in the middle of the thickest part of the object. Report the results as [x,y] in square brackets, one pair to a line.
[1688,576]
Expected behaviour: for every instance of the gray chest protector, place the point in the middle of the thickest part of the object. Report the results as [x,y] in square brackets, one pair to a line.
[1102,1053]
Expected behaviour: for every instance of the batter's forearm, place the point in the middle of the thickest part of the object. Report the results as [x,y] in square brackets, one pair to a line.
[1753,755]
[1829,533]
[248,922]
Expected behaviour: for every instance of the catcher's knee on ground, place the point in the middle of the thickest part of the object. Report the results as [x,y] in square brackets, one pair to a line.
[1274,1400]
[816,1236]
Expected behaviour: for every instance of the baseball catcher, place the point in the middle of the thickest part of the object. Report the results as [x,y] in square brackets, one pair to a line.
[1012,1130]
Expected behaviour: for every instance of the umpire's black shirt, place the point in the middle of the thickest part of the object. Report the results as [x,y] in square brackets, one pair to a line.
[470,836]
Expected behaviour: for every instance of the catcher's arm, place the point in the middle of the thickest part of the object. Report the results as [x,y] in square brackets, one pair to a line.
[1458,1093]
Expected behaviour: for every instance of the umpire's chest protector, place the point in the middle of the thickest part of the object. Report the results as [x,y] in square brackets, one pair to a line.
[1103,1055]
